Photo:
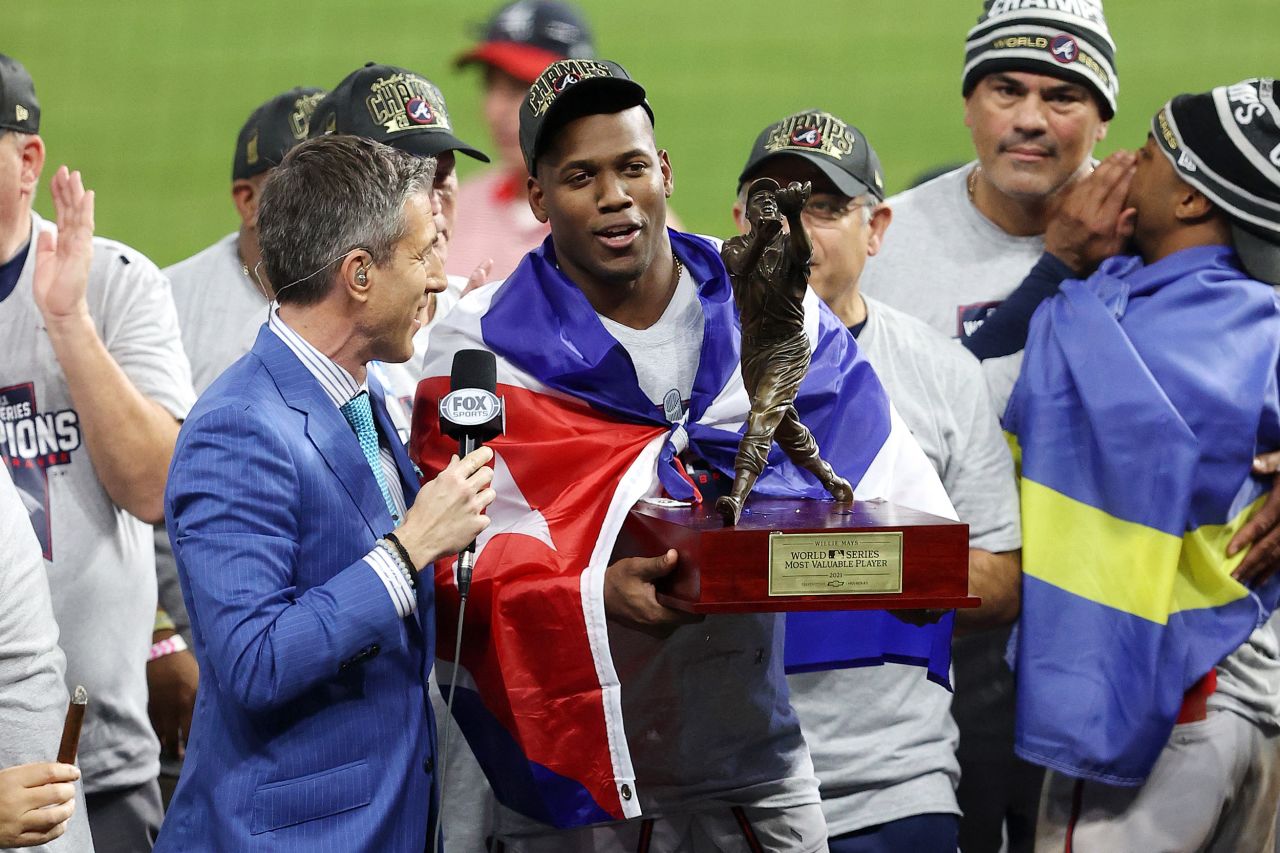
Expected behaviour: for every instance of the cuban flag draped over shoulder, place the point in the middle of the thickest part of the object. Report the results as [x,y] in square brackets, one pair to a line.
[537,694]
[1145,393]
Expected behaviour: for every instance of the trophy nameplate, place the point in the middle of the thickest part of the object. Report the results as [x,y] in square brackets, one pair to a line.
[835,563]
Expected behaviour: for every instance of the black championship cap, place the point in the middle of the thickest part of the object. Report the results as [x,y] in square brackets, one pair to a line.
[568,90]
[839,150]
[1226,143]
[524,37]
[272,129]
[393,106]
[19,109]
[1062,38]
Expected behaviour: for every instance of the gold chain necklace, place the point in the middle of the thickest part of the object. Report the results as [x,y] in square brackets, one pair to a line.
[971,184]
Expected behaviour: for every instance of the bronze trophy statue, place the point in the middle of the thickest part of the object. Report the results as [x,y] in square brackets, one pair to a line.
[769,270]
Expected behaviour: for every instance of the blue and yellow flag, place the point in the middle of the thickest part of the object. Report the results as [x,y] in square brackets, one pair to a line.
[1145,393]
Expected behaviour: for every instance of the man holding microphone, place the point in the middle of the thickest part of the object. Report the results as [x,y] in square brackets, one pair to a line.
[299,530]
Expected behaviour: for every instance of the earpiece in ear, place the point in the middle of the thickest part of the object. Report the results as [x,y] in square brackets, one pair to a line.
[361,276]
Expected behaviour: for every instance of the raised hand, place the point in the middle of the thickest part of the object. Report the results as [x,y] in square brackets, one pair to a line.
[1092,222]
[62,260]
[479,276]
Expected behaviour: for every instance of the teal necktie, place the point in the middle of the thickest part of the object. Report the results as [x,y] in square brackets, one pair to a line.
[359,414]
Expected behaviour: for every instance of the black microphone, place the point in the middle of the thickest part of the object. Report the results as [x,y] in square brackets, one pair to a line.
[472,413]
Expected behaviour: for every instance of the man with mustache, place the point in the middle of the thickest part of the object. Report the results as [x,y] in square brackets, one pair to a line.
[1040,88]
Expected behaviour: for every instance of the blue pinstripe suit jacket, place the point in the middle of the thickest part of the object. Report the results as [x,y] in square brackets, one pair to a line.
[313,728]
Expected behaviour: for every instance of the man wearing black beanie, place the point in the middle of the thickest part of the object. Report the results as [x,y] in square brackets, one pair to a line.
[1039,86]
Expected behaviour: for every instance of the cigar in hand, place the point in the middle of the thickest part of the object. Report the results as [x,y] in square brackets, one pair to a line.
[71,728]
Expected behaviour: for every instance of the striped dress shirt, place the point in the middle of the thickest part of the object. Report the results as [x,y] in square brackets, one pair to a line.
[341,387]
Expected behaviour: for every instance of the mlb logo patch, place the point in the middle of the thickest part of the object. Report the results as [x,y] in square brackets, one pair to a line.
[1064,48]
[808,137]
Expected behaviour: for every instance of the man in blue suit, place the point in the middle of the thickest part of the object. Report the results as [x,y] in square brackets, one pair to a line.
[299,531]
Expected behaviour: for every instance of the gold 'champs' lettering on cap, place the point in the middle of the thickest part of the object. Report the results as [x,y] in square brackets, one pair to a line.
[1089,10]
[560,76]
[406,102]
[251,148]
[1170,138]
[820,132]
[300,115]
[20,112]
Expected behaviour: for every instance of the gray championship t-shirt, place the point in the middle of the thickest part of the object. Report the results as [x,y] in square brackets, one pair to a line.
[882,740]
[33,698]
[945,263]
[100,559]
[220,309]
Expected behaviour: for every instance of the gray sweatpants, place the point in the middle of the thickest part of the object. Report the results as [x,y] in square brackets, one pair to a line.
[127,820]
[800,829]
[1214,789]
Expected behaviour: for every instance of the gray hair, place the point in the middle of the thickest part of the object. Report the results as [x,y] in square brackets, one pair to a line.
[330,196]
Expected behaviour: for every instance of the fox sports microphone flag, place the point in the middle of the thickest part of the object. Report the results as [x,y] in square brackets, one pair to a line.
[1145,393]
[538,697]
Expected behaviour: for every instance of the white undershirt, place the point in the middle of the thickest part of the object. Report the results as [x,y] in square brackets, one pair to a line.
[666,354]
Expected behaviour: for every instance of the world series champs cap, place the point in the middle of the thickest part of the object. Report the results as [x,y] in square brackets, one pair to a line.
[1226,144]
[19,109]
[272,129]
[393,106]
[568,90]
[839,150]
[524,37]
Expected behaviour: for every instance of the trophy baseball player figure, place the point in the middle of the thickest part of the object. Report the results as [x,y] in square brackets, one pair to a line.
[769,270]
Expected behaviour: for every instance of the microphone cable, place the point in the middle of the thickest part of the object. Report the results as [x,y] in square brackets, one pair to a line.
[463,590]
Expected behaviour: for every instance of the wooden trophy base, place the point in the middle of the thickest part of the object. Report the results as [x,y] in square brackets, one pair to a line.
[797,554]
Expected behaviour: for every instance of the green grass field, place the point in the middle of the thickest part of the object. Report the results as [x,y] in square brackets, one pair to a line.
[146,97]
